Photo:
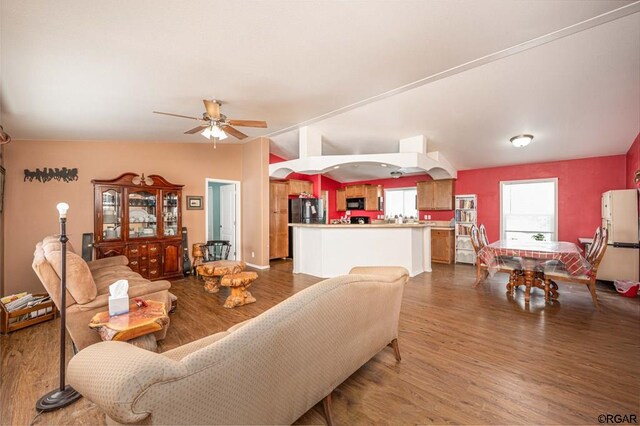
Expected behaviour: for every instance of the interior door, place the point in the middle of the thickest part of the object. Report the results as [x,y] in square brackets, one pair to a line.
[228,217]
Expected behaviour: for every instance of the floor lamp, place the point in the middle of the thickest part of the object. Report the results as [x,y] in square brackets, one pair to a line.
[64,395]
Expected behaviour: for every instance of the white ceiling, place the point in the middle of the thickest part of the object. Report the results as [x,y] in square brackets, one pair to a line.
[80,70]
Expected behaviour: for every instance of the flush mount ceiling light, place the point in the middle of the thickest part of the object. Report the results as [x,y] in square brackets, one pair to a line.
[383,165]
[396,174]
[521,140]
[336,167]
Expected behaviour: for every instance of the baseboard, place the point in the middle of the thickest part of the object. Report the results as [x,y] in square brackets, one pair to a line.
[256,266]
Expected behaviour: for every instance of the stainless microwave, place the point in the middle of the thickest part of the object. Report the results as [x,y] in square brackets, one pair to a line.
[355,203]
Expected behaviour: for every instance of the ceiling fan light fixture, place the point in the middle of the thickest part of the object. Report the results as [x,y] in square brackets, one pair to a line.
[521,141]
[217,132]
[206,133]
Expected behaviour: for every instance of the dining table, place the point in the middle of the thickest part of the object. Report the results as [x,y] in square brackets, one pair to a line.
[534,257]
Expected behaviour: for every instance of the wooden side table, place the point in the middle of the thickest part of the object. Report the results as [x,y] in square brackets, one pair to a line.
[135,327]
[197,251]
[213,271]
[239,284]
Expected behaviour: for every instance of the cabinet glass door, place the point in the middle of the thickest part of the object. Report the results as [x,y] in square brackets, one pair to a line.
[111,214]
[170,216]
[142,214]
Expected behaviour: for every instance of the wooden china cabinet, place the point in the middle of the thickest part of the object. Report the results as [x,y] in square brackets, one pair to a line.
[140,217]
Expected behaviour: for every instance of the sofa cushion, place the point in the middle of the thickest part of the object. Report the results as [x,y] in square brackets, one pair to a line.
[79,280]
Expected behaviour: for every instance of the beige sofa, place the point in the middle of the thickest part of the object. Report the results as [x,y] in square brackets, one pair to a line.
[88,287]
[268,370]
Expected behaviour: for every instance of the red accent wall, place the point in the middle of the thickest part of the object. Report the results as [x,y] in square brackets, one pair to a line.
[580,187]
[330,185]
[633,163]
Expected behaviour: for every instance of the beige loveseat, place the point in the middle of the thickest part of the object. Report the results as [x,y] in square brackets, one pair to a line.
[88,287]
[268,370]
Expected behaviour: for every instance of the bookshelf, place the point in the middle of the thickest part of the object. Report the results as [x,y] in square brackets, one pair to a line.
[466,215]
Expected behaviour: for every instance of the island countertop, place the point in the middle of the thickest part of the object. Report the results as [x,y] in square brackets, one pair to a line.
[363,225]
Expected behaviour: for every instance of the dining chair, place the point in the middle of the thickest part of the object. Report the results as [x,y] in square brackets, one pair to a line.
[594,256]
[481,269]
[516,276]
[483,235]
[217,250]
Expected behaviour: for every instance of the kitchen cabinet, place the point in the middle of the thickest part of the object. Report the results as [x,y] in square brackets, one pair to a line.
[442,246]
[355,191]
[135,217]
[297,187]
[278,219]
[435,194]
[372,192]
[341,200]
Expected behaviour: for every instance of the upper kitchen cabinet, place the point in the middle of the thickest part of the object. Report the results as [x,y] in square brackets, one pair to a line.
[341,200]
[436,194]
[372,195]
[355,191]
[297,187]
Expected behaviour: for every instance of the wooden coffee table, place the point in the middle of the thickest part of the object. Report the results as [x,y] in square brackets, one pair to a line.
[136,327]
[239,284]
[213,271]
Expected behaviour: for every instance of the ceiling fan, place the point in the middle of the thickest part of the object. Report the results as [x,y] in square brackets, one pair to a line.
[217,126]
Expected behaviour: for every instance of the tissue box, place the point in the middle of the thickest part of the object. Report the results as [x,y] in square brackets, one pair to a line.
[118,305]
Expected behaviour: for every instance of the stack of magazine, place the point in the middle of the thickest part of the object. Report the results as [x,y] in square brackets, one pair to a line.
[16,302]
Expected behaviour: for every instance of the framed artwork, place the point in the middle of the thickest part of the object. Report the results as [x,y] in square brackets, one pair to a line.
[194,202]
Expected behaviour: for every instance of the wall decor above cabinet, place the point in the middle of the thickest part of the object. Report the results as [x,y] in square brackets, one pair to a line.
[140,217]
[63,174]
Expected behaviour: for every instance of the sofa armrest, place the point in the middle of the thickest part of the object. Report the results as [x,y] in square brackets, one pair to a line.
[394,272]
[114,374]
[107,262]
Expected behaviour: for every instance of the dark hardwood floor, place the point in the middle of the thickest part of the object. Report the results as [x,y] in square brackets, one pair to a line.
[469,356]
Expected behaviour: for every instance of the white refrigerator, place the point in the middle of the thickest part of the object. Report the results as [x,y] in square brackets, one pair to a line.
[620,217]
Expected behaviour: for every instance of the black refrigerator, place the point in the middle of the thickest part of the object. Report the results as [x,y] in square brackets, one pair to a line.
[304,210]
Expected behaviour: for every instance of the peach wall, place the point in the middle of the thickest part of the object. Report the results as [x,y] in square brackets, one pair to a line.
[2,233]
[30,211]
[255,202]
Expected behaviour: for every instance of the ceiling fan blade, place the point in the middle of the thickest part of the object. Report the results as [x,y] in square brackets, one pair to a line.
[212,107]
[248,123]
[178,115]
[196,129]
[234,132]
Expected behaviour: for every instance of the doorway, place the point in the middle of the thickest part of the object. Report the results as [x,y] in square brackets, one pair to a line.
[223,213]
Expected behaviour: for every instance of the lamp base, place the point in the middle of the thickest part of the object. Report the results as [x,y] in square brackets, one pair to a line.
[58,399]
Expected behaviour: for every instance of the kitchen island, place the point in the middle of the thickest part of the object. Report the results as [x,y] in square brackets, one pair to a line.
[330,250]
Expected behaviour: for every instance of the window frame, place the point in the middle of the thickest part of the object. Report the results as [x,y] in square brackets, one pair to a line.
[554,180]
[415,188]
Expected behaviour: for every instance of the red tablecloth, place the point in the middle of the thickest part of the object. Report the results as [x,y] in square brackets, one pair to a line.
[533,254]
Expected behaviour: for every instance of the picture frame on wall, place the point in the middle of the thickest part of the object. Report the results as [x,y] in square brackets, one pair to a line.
[195,202]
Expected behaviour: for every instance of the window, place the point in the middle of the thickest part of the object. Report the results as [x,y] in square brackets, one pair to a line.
[400,202]
[529,210]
